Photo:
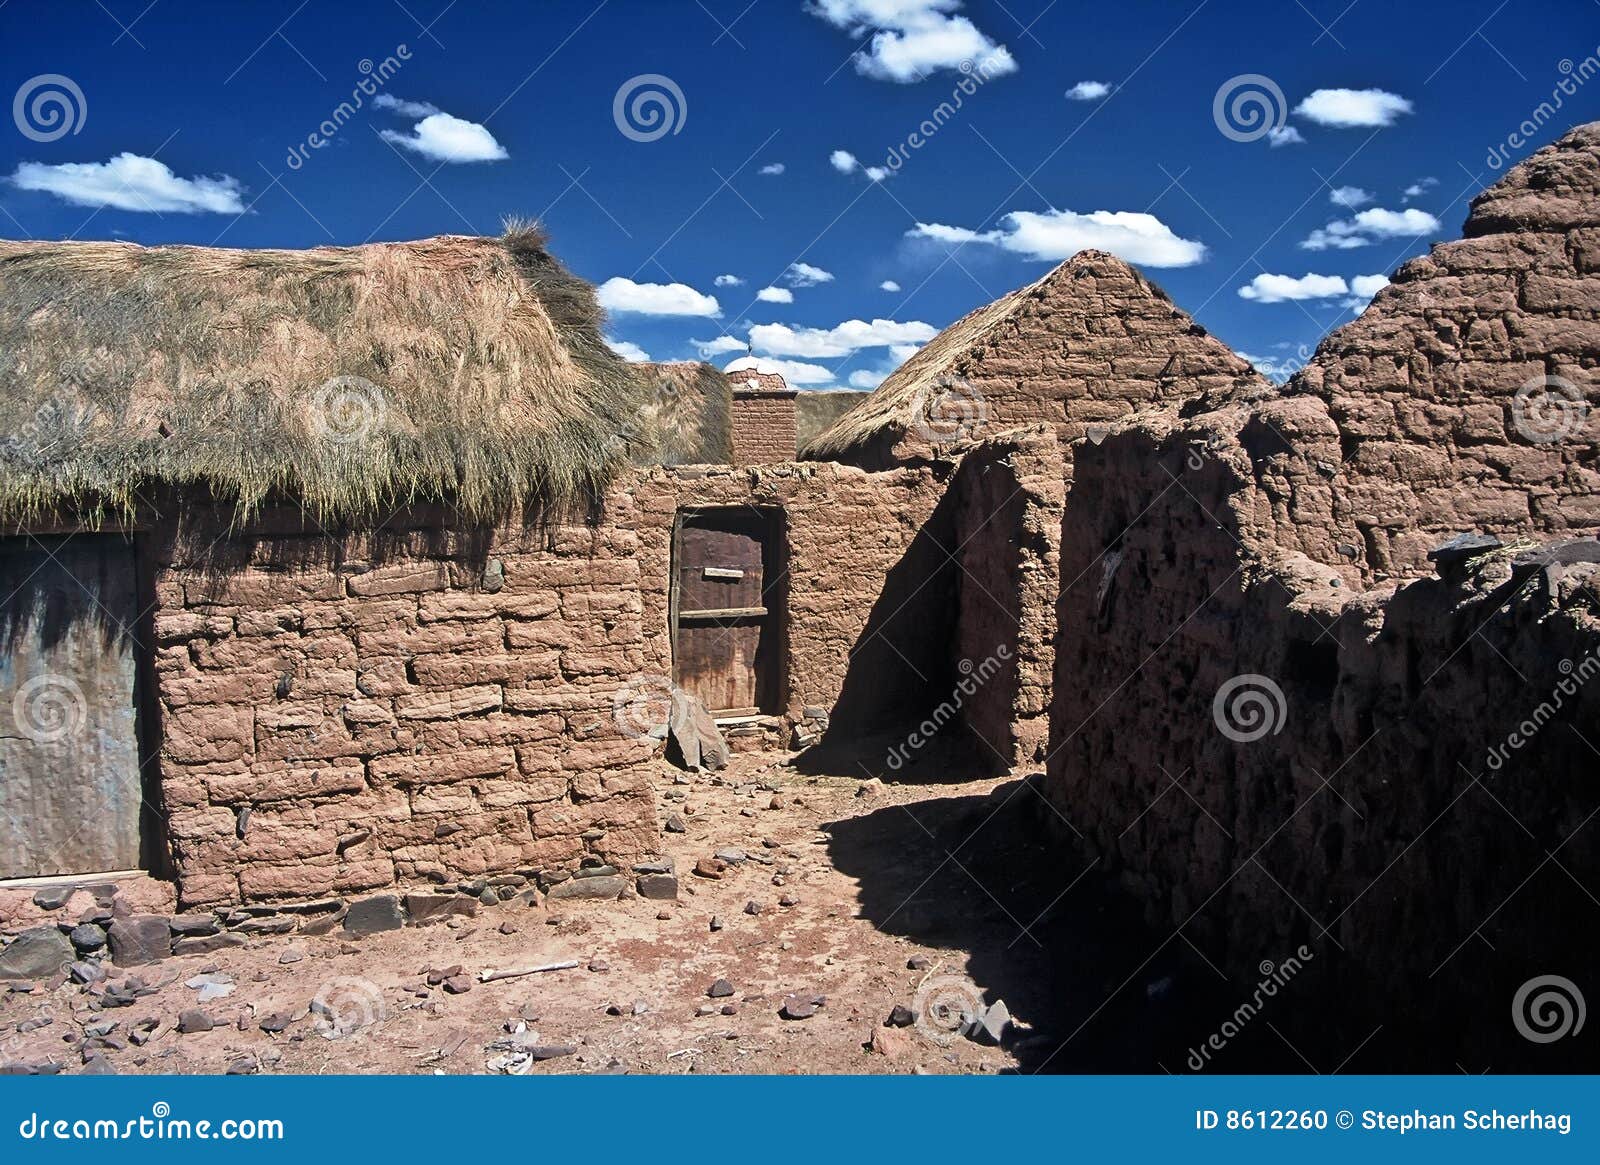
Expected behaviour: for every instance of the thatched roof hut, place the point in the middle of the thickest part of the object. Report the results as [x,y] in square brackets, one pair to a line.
[348,379]
[687,410]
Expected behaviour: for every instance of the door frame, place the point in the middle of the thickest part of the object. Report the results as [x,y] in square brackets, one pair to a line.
[772,680]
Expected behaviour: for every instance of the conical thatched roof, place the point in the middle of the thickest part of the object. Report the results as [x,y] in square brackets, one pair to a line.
[1090,342]
[347,379]
[688,407]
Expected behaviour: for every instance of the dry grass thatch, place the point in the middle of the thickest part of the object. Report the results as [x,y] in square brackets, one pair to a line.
[687,413]
[815,412]
[468,370]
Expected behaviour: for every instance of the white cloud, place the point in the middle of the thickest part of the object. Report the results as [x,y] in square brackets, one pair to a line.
[772,168]
[1418,188]
[1057,234]
[913,38]
[445,138]
[796,372]
[655,299]
[728,281]
[861,378]
[1265,288]
[629,351]
[412,109]
[1353,108]
[843,161]
[1284,135]
[1088,91]
[718,346]
[1274,368]
[1366,286]
[850,336]
[888,285]
[805,275]
[1349,197]
[900,353]
[1368,226]
[132,182]
[775,295]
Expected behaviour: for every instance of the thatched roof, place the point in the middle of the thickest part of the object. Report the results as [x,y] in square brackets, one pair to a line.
[686,410]
[351,379]
[815,411]
[1089,342]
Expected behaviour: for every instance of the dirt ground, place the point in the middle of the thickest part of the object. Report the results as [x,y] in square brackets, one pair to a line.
[888,907]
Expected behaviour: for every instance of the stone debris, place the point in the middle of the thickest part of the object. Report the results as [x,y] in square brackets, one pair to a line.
[900,1016]
[802,1005]
[139,939]
[693,731]
[721,989]
[990,1026]
[212,985]
[37,953]
[193,1020]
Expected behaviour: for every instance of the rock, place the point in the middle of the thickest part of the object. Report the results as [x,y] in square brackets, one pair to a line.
[663,866]
[776,802]
[276,1023]
[53,897]
[900,1016]
[788,900]
[721,989]
[599,966]
[290,955]
[194,1020]
[193,924]
[37,953]
[706,1009]
[752,907]
[710,868]
[640,1007]
[438,975]
[458,984]
[374,915]
[716,923]
[606,886]
[871,787]
[731,856]
[507,928]
[205,944]
[95,1064]
[595,871]
[918,963]
[658,887]
[730,1009]
[890,1042]
[139,939]
[85,972]
[87,938]
[429,908]
[802,1005]
[1462,549]
[214,985]
[243,1066]
[674,824]
[990,1026]
[550,1051]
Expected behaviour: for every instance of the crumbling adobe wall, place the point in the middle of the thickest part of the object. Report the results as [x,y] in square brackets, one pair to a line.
[1359,811]
[1466,393]
[1008,502]
[397,707]
[867,626]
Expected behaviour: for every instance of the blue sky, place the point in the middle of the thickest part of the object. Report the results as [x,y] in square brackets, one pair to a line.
[1091,124]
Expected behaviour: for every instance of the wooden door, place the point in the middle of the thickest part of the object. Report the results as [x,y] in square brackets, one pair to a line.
[723,645]
[70,788]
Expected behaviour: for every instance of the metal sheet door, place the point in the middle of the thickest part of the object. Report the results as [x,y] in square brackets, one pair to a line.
[70,789]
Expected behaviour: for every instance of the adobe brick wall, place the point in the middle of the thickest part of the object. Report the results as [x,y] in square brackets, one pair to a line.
[869,615]
[386,715]
[764,426]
